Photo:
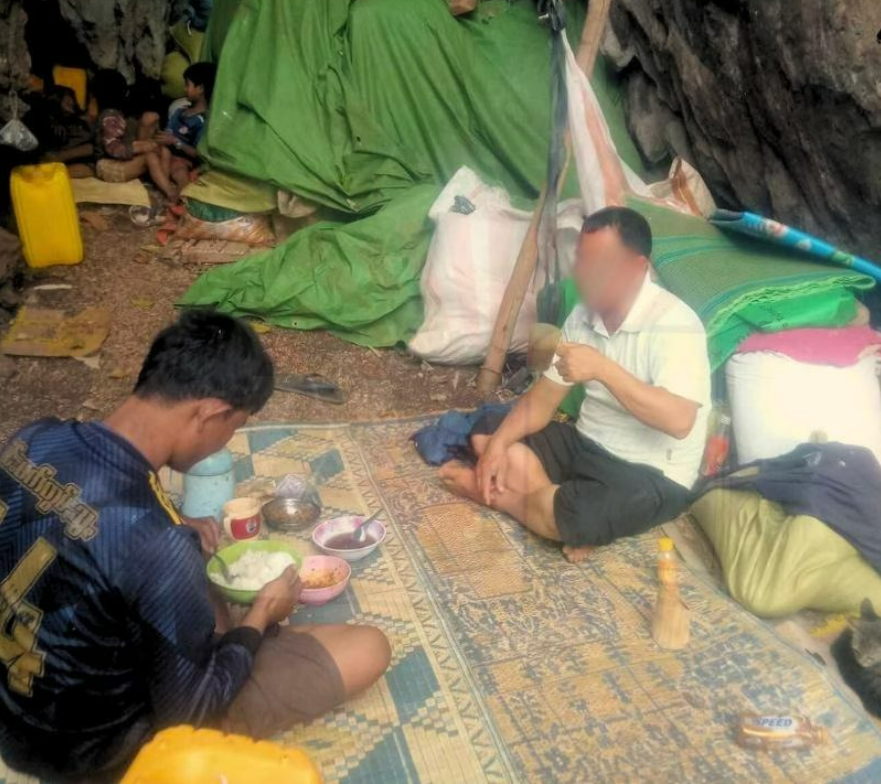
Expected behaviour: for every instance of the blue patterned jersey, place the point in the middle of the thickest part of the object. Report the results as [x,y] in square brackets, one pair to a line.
[106,627]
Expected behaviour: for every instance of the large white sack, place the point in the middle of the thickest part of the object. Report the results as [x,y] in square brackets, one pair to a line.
[469,264]
[778,403]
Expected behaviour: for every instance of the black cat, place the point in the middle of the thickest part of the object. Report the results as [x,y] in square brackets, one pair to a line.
[858,653]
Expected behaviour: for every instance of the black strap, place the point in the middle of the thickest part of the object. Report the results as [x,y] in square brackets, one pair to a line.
[554,13]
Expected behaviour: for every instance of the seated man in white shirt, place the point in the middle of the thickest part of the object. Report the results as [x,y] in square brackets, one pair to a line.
[629,462]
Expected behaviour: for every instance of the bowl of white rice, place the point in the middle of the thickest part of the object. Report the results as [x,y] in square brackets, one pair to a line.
[251,565]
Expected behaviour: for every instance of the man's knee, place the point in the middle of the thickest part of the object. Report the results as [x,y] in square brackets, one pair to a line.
[540,508]
[362,654]
[377,647]
[374,657]
[546,526]
[149,118]
[373,643]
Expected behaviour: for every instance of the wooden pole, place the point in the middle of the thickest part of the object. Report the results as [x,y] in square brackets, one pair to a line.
[490,374]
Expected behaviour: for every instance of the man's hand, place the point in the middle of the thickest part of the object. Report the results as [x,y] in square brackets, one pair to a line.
[277,600]
[165,138]
[491,469]
[209,532]
[579,364]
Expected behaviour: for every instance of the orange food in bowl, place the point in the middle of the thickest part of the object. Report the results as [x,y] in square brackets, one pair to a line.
[321,579]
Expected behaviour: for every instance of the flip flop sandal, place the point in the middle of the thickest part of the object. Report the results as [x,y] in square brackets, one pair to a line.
[311,385]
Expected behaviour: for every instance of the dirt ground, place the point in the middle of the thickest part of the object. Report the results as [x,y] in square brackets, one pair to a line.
[125,271]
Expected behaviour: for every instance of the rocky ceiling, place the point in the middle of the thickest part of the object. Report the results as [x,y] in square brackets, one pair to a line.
[776,102]
[128,35]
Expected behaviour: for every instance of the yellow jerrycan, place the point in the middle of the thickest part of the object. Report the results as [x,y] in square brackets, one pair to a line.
[45,211]
[184,755]
[74,78]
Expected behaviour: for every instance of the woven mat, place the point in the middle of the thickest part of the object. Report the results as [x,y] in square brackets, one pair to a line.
[511,665]
[91,190]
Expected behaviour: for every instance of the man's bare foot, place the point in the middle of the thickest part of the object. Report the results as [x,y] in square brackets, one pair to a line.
[460,480]
[577,554]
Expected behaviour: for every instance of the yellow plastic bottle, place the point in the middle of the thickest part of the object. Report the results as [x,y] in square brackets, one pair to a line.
[668,571]
[75,79]
[45,211]
[184,755]
[670,626]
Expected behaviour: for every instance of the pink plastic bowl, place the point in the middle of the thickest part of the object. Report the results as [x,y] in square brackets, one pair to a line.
[324,563]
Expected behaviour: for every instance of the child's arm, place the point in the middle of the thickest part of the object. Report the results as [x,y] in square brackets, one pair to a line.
[168,139]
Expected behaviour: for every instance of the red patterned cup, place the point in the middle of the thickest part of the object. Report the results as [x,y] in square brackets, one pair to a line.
[241,518]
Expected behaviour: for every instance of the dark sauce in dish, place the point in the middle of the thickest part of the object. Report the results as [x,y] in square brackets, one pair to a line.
[348,542]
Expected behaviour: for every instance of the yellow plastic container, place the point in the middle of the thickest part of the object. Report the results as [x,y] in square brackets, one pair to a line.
[184,755]
[75,78]
[45,211]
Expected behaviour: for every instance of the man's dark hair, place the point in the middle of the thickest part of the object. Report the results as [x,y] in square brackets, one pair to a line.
[110,89]
[632,228]
[207,355]
[202,75]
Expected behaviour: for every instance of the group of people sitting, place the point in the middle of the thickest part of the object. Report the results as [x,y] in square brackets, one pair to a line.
[110,630]
[162,144]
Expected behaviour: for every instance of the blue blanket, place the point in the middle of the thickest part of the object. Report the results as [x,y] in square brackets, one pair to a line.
[447,439]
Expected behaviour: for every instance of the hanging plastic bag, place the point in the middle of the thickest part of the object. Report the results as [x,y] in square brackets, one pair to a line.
[15,133]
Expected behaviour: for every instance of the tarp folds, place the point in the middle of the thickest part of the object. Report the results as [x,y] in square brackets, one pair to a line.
[356,105]
[349,104]
[359,280]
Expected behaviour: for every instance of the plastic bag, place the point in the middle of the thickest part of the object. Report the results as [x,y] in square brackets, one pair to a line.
[299,487]
[15,133]
[247,229]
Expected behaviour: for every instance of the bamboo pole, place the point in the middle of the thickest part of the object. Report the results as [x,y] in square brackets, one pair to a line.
[491,373]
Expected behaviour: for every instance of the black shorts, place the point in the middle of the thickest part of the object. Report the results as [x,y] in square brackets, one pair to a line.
[601,497]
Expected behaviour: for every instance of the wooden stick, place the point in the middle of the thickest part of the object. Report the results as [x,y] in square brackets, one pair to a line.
[490,374]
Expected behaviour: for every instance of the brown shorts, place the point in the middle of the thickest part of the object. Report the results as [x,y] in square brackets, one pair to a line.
[294,680]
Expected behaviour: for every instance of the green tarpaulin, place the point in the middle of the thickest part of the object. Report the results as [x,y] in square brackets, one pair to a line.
[360,279]
[366,107]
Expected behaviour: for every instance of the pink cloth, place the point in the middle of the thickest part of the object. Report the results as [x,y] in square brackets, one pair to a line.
[838,347]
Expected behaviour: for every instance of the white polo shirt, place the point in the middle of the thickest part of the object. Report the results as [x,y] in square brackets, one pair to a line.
[663,343]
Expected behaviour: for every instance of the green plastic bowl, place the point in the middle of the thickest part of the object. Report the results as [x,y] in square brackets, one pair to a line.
[229,555]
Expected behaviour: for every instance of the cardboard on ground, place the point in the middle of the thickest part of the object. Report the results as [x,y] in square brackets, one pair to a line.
[39,332]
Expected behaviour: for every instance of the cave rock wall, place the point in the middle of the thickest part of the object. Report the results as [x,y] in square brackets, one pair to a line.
[128,35]
[15,62]
[776,102]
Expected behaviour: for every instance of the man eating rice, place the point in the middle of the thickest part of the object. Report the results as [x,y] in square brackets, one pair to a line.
[108,632]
